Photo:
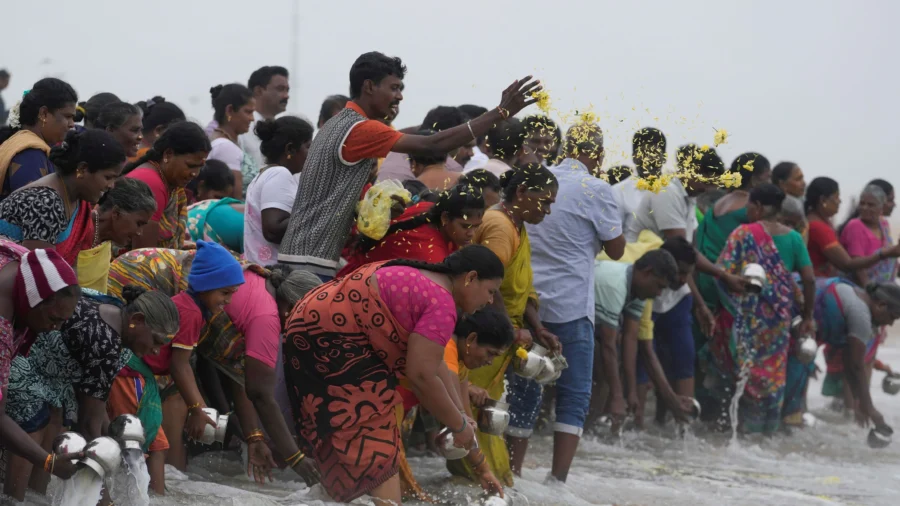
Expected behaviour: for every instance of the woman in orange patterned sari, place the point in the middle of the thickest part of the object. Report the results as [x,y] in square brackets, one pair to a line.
[349,341]
[174,160]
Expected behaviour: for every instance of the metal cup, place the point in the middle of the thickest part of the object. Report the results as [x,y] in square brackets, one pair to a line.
[880,437]
[493,418]
[529,367]
[214,434]
[445,446]
[68,442]
[756,277]
[103,455]
[891,384]
[129,431]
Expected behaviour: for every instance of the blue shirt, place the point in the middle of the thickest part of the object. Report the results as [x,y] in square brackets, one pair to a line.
[564,245]
[27,166]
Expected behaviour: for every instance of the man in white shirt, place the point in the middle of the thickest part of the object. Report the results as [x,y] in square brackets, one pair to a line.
[271,89]
[648,152]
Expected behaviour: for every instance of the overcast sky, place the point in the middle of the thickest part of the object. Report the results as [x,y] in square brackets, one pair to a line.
[813,81]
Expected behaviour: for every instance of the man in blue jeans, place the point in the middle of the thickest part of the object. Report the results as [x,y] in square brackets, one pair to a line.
[585,220]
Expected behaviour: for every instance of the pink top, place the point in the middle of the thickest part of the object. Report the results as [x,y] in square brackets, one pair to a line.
[151,176]
[254,312]
[859,240]
[191,322]
[419,304]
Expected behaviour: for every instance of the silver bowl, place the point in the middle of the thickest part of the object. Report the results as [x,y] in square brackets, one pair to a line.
[445,446]
[695,413]
[529,367]
[891,384]
[103,455]
[68,442]
[880,437]
[493,418]
[756,277]
[807,349]
[214,434]
[129,431]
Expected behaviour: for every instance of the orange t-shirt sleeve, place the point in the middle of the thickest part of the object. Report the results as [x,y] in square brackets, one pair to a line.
[369,139]
[451,356]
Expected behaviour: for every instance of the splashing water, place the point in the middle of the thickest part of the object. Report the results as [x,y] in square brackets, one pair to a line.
[131,482]
[743,379]
[83,488]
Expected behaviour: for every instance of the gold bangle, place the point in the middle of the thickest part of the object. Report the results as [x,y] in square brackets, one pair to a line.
[194,406]
[48,462]
[255,435]
[294,456]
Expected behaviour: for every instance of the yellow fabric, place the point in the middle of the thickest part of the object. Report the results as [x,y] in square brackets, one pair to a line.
[647,241]
[18,142]
[93,267]
[498,233]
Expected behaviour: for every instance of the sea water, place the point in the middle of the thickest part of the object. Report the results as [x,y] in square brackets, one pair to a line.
[83,488]
[829,464]
[131,482]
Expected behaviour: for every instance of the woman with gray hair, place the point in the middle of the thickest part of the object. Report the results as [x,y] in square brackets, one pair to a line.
[865,235]
[847,318]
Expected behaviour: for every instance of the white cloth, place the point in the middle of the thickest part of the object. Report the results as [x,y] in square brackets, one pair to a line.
[478,160]
[670,209]
[496,167]
[250,142]
[274,188]
[227,152]
[628,198]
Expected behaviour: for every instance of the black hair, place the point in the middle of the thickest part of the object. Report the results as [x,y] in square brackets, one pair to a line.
[158,112]
[584,138]
[887,292]
[782,171]
[130,195]
[540,123]
[236,95]
[648,148]
[182,138]
[474,257]
[618,174]
[661,264]
[113,116]
[88,111]
[444,117]
[425,157]
[263,76]
[749,166]
[4,74]
[418,189]
[482,179]
[686,157]
[680,249]
[374,66]
[98,149]
[331,106]
[457,202]
[491,327]
[534,176]
[769,196]
[52,93]
[215,175]
[818,190]
[160,313]
[505,139]
[277,134]
[710,164]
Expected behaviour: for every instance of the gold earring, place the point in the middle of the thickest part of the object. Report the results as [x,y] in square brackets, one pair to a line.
[43,122]
[467,283]
[228,119]
[165,160]
[131,326]
[80,175]
[289,156]
[287,313]
[467,348]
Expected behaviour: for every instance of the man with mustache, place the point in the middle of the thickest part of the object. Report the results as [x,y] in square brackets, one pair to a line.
[347,148]
[271,89]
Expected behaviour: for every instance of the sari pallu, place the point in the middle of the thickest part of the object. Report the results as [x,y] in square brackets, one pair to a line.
[344,353]
[173,224]
[753,331]
[200,227]
[166,270]
[517,289]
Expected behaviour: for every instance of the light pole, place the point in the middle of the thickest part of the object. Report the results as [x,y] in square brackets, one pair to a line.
[295,54]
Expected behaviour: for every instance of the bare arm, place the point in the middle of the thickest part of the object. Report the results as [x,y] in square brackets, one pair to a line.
[260,389]
[238,190]
[274,224]
[451,383]
[33,245]
[808,279]
[92,417]
[609,354]
[838,257]
[630,330]
[424,359]
[615,248]
[514,99]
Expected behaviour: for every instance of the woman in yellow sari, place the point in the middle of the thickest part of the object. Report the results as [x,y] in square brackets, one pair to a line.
[528,193]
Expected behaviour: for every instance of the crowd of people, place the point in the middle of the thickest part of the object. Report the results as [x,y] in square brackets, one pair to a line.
[344,287]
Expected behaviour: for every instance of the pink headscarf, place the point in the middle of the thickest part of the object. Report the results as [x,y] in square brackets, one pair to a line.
[42,273]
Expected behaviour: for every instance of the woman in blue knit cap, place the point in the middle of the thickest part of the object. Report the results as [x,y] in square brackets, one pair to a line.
[231,313]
